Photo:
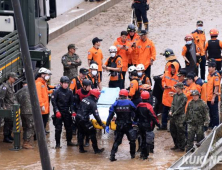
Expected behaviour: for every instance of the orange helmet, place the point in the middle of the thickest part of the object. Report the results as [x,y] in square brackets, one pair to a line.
[214,32]
[145,95]
[188,37]
[123,92]
[95,92]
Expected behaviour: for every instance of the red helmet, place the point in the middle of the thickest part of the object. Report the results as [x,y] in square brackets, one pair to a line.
[95,92]
[214,32]
[188,37]
[123,92]
[145,95]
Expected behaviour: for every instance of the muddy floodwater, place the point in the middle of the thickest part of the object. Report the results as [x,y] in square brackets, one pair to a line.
[70,158]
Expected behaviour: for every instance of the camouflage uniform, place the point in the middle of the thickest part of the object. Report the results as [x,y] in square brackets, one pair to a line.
[71,71]
[177,128]
[197,117]
[23,99]
[7,99]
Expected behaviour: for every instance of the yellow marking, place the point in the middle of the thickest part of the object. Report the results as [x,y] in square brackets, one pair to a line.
[17,119]
[50,58]
[17,123]
[9,63]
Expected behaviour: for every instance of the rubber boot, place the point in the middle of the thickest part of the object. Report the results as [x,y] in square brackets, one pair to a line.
[146,27]
[27,145]
[10,137]
[7,140]
[69,143]
[87,141]
[81,149]
[132,156]
[139,25]
[112,158]
[57,146]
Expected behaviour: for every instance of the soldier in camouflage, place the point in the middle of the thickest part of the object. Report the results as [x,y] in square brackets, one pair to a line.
[177,113]
[23,99]
[7,99]
[197,119]
[70,62]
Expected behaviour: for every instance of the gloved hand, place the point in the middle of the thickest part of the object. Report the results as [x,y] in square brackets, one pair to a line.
[58,115]
[104,126]
[43,108]
[147,7]
[107,129]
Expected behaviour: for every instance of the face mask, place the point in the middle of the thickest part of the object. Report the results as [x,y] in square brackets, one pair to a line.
[200,28]
[189,42]
[112,54]
[94,72]
[47,78]
[140,74]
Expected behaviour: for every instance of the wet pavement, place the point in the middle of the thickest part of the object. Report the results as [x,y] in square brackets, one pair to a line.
[70,158]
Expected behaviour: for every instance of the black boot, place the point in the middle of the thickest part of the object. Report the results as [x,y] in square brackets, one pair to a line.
[112,158]
[87,141]
[81,149]
[10,137]
[146,27]
[7,140]
[57,146]
[132,156]
[69,143]
[99,150]
[139,25]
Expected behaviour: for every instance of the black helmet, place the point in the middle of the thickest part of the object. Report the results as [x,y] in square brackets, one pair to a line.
[168,52]
[64,79]
[86,82]
[131,27]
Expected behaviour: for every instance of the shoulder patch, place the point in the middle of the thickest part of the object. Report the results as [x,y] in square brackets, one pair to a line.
[119,62]
[42,86]
[217,79]
[131,85]
[4,88]
[89,53]
[63,58]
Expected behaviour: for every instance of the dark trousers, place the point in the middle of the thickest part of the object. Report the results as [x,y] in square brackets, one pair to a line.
[123,81]
[119,133]
[136,101]
[45,119]
[114,84]
[166,110]
[67,120]
[8,125]
[218,65]
[202,67]
[141,12]
[214,115]
[148,72]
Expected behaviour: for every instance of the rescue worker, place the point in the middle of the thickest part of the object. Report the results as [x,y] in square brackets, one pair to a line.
[7,99]
[169,79]
[177,114]
[197,119]
[76,82]
[124,110]
[213,91]
[87,107]
[124,50]
[62,102]
[141,74]
[190,52]
[170,57]
[114,65]
[213,48]
[147,119]
[134,90]
[132,38]
[42,92]
[182,76]
[141,7]
[94,76]
[70,62]
[23,99]
[146,52]
[130,70]
[95,54]
[200,39]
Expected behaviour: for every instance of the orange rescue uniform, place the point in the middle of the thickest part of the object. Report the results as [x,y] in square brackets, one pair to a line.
[212,81]
[199,40]
[97,56]
[145,52]
[188,90]
[123,53]
[133,58]
[74,85]
[42,92]
[134,87]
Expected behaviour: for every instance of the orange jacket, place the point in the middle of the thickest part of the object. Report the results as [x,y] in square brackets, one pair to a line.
[134,87]
[42,91]
[204,92]
[133,58]
[188,90]
[145,52]
[212,81]
[123,53]
[169,80]
[199,40]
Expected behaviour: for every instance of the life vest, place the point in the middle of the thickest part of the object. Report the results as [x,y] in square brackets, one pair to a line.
[113,65]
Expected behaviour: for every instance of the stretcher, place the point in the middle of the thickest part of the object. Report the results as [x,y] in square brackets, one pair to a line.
[107,98]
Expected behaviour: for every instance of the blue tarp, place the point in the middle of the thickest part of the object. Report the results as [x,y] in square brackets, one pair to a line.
[108,96]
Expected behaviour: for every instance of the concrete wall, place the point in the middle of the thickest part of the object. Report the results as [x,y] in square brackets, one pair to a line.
[65,5]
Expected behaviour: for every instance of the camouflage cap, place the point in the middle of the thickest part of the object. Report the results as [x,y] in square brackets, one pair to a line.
[71,46]
[195,93]
[13,75]
[179,85]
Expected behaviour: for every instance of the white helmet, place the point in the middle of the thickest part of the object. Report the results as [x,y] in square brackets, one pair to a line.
[44,71]
[112,49]
[93,66]
[131,69]
[140,67]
